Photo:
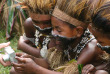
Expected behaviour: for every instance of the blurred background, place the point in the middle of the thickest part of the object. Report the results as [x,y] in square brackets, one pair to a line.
[11,25]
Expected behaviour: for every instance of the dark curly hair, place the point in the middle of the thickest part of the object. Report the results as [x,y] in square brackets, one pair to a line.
[101,18]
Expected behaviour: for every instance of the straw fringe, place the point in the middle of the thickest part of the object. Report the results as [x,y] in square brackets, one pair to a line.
[39,6]
[55,58]
[71,69]
[79,9]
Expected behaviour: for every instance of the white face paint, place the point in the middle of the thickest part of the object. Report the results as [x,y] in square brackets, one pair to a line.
[45,30]
[63,36]
[42,29]
[104,48]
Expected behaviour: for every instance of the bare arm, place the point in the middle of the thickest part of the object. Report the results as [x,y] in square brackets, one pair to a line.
[22,45]
[28,66]
[89,53]
[41,62]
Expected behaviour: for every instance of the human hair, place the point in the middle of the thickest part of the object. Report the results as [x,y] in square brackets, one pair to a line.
[38,6]
[78,9]
[101,18]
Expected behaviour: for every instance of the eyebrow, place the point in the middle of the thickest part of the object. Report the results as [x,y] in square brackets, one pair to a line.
[44,22]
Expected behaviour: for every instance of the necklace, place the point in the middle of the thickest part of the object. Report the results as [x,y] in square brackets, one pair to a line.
[44,51]
[45,42]
[87,37]
[37,35]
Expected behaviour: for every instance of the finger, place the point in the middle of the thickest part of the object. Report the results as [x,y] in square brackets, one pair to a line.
[18,70]
[84,69]
[89,69]
[17,65]
[4,45]
[21,59]
[4,63]
[19,54]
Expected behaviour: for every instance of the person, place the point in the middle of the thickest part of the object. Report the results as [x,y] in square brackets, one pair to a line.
[37,27]
[69,23]
[3,45]
[100,27]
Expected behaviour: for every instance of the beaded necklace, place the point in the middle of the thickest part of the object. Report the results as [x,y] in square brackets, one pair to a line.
[88,37]
[45,42]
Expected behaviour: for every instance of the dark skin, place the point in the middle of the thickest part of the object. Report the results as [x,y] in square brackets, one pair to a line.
[89,52]
[86,56]
[24,44]
[103,39]
[30,32]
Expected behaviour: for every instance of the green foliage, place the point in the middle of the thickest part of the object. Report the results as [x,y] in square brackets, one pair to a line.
[6,70]
[80,66]
[10,17]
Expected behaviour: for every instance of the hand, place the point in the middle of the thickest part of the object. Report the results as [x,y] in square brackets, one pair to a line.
[26,65]
[2,45]
[24,55]
[19,54]
[8,63]
[88,69]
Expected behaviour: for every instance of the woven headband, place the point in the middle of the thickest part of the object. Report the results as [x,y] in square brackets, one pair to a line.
[64,17]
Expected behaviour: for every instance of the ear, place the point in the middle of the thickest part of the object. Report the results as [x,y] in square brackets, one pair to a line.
[80,31]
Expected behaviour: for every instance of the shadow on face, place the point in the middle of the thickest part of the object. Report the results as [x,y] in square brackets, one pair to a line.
[102,38]
[65,29]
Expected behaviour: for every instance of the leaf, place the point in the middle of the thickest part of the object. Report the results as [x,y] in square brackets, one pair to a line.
[10,20]
[80,66]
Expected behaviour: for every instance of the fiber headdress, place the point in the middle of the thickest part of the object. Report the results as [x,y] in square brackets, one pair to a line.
[38,8]
[75,12]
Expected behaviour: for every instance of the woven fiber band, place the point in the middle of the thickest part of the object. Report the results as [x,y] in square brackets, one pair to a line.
[64,17]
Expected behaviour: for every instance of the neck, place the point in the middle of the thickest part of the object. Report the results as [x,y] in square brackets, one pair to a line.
[76,42]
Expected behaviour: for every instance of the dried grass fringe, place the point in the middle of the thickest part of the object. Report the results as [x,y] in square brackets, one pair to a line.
[55,58]
[57,62]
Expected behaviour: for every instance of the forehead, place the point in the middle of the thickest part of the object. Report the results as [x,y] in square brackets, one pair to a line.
[101,37]
[40,17]
[59,23]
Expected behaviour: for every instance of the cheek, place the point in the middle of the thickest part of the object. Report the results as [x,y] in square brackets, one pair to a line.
[67,33]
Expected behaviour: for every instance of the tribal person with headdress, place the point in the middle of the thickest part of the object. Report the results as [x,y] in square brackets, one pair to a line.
[100,27]
[70,20]
[37,27]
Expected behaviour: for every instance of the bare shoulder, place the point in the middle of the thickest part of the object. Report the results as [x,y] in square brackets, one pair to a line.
[89,52]
[91,47]
[28,21]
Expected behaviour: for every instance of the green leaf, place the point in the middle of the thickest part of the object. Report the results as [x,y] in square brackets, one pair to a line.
[80,66]
[10,20]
